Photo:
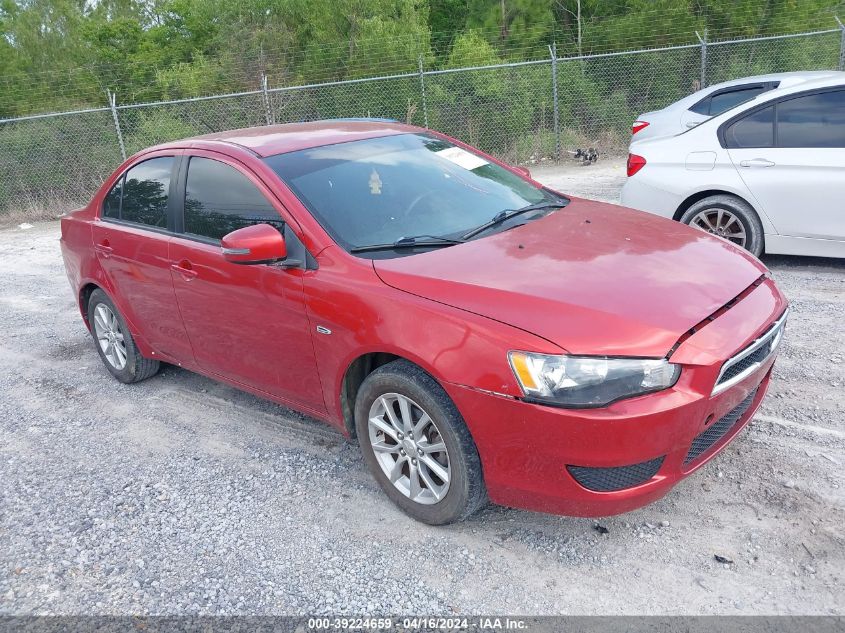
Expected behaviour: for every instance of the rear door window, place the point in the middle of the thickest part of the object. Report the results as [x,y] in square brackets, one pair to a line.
[146,189]
[220,199]
[755,130]
[816,120]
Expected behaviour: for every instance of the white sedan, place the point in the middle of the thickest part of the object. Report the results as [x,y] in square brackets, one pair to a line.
[714,100]
[767,174]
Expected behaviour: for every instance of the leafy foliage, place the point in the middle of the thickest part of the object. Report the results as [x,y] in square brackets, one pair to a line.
[62,55]
[65,54]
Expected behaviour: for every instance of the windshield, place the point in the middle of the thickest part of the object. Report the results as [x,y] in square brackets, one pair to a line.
[381,190]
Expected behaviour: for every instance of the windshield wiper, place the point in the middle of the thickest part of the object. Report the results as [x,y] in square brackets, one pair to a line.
[410,242]
[507,214]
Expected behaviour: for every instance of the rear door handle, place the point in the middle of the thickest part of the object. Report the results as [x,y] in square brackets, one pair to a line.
[756,162]
[185,269]
[104,248]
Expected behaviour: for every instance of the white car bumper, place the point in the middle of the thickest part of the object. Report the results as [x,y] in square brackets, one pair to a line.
[638,193]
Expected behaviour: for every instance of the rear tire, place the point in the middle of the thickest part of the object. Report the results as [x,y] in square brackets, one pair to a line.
[727,216]
[430,445]
[114,343]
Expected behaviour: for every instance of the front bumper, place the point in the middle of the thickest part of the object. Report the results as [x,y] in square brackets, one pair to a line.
[573,461]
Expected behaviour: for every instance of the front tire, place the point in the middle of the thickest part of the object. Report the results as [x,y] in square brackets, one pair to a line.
[728,217]
[417,446]
[114,342]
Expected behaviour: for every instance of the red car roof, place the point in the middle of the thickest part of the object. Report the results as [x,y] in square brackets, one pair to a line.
[289,137]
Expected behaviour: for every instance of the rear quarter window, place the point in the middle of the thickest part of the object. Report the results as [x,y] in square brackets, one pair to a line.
[727,98]
[111,204]
[723,102]
[702,107]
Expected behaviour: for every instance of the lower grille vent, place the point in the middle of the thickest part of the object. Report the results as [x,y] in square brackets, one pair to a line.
[617,477]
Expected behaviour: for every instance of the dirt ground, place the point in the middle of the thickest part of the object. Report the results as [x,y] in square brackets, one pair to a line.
[182,495]
[601,181]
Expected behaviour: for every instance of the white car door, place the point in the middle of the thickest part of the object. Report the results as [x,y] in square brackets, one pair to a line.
[791,156]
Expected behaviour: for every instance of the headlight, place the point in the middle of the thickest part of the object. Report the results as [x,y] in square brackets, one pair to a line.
[584,381]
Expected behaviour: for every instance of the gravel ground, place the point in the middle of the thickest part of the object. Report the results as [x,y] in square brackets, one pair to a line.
[182,495]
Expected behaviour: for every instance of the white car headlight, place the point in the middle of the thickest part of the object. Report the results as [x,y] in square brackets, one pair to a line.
[586,381]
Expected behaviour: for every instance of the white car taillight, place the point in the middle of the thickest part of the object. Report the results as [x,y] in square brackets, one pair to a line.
[635,164]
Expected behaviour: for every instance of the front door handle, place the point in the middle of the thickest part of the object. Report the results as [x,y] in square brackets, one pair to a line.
[185,269]
[756,162]
[104,248]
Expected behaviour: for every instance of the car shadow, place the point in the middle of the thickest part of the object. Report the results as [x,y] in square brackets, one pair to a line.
[828,264]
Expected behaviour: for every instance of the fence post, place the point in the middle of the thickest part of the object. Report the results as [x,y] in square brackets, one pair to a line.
[553,52]
[703,42]
[113,106]
[422,90]
[265,95]
[841,43]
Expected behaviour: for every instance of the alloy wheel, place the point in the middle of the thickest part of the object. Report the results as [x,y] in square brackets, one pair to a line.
[409,448]
[721,222]
[109,336]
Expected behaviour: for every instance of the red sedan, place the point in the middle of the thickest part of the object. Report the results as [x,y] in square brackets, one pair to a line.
[482,335]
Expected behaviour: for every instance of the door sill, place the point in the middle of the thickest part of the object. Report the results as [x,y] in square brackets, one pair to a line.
[807,246]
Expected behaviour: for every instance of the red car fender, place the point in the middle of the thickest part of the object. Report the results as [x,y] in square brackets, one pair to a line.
[347,299]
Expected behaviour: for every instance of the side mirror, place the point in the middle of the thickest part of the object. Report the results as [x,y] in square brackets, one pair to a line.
[256,244]
[523,170]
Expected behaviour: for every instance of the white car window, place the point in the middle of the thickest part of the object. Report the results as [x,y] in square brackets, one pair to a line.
[727,100]
[755,130]
[816,120]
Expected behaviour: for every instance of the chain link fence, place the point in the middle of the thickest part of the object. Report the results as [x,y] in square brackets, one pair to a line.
[523,112]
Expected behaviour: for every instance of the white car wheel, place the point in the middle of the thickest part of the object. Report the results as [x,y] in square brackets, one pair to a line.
[728,217]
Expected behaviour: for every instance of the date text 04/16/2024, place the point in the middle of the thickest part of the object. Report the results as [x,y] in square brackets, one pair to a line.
[416,624]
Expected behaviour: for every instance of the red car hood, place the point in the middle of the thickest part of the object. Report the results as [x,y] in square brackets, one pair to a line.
[592,278]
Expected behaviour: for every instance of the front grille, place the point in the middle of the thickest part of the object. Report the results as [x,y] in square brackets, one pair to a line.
[705,440]
[754,358]
[749,359]
[617,477]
